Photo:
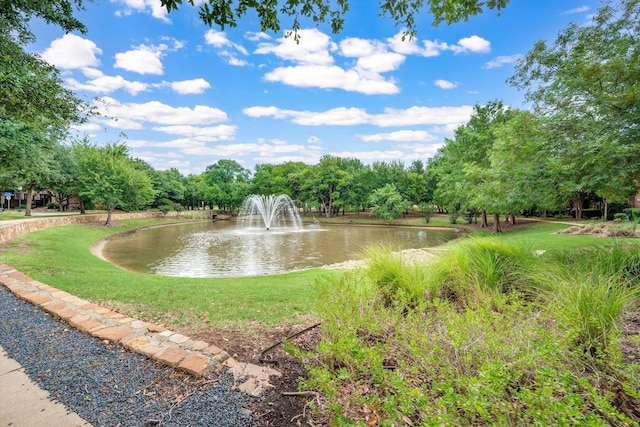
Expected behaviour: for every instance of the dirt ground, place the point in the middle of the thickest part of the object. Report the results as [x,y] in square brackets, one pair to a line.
[283,405]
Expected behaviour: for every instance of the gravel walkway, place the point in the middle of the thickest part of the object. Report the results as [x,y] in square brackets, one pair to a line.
[108,386]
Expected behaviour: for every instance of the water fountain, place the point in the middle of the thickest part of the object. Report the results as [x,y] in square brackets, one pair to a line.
[269,212]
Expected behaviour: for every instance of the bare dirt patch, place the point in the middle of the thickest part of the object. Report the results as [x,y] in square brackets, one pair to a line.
[282,405]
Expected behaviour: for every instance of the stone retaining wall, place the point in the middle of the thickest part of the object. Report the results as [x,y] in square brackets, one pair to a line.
[14,229]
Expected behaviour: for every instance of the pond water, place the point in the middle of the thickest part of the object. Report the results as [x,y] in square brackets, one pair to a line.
[220,249]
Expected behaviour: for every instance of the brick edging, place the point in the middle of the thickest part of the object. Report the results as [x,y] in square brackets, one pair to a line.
[197,358]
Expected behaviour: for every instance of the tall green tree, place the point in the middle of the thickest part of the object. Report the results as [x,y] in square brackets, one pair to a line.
[587,84]
[325,182]
[36,110]
[462,166]
[387,203]
[229,183]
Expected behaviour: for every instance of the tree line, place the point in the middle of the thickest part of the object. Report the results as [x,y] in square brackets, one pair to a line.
[578,142]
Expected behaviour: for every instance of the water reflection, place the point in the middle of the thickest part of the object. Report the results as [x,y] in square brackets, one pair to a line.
[219,249]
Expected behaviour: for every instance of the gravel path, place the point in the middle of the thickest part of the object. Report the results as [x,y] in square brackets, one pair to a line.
[108,386]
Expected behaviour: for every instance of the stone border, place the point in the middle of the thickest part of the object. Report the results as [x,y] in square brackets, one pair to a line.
[13,228]
[178,351]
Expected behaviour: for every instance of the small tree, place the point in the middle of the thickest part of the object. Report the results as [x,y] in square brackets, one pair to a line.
[108,175]
[387,203]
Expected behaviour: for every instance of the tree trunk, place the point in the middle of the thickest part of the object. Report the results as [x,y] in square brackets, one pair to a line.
[82,209]
[29,196]
[485,223]
[109,211]
[578,201]
[513,219]
[606,209]
[496,224]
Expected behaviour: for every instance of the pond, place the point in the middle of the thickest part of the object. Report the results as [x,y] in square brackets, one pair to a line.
[220,249]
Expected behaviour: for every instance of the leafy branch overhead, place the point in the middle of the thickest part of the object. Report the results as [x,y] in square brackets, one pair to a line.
[272,13]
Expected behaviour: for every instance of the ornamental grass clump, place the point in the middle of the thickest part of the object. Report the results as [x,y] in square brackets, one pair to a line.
[480,268]
[487,334]
[396,280]
[588,291]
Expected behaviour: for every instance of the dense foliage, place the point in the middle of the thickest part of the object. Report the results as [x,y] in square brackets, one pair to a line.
[488,333]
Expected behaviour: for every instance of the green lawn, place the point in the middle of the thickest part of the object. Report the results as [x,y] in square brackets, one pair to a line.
[61,257]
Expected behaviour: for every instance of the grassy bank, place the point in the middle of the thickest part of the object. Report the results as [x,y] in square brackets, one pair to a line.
[61,257]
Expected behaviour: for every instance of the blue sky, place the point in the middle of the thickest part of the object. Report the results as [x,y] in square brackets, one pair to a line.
[183,95]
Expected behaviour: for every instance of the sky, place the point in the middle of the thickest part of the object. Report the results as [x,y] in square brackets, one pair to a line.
[184,95]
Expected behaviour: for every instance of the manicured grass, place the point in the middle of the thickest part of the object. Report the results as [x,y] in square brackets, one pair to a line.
[60,256]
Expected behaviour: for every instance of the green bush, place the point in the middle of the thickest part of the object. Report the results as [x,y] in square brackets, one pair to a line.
[479,268]
[453,217]
[591,213]
[52,205]
[634,213]
[619,217]
[617,207]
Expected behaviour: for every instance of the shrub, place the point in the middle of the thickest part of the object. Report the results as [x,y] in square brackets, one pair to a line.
[52,205]
[633,213]
[427,212]
[591,213]
[619,217]
[617,207]
[164,209]
[396,280]
[588,291]
[453,217]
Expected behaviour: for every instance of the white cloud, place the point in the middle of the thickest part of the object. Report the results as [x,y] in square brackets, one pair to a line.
[87,127]
[219,40]
[143,60]
[122,123]
[356,116]
[313,140]
[400,136]
[99,83]
[445,84]
[157,112]
[315,64]
[206,133]
[406,46]
[472,44]
[254,37]
[576,10]
[154,7]
[433,48]
[502,60]
[332,77]
[423,116]
[424,150]
[71,51]
[194,86]
[313,49]
[216,38]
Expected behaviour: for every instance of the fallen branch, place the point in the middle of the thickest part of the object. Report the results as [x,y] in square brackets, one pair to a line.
[273,346]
